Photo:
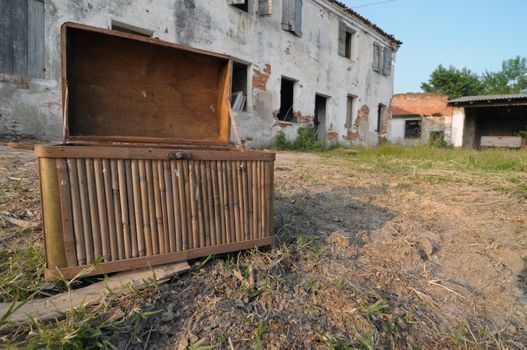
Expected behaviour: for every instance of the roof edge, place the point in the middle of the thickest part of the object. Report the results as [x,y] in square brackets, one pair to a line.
[366,21]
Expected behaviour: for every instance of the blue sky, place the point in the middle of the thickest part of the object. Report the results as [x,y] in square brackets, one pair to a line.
[477,34]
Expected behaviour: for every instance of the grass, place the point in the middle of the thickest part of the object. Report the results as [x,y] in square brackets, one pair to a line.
[22,275]
[498,169]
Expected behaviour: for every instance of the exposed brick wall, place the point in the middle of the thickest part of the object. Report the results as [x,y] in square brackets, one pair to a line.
[260,78]
[421,104]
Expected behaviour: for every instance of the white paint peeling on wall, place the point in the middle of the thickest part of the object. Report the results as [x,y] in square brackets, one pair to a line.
[458,122]
[312,60]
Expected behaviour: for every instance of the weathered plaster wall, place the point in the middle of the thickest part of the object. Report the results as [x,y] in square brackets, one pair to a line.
[458,122]
[33,108]
[433,111]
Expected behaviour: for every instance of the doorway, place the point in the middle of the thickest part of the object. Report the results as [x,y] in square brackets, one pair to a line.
[320,117]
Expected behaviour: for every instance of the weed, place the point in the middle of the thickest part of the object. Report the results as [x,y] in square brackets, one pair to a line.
[306,140]
[260,330]
[22,275]
[81,329]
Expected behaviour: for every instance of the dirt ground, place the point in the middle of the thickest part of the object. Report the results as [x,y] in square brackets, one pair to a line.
[365,259]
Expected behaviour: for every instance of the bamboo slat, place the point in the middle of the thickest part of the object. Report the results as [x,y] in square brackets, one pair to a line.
[107,178]
[176,212]
[68,237]
[53,239]
[144,207]
[158,245]
[114,168]
[254,198]
[223,201]
[125,218]
[85,211]
[169,194]
[76,209]
[217,207]
[94,215]
[262,199]
[101,209]
[131,211]
[246,204]
[163,197]
[199,205]
[139,227]
[185,223]
[188,205]
[267,186]
[231,195]
[205,202]
[193,204]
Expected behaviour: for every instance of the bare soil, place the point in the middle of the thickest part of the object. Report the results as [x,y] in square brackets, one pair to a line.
[365,259]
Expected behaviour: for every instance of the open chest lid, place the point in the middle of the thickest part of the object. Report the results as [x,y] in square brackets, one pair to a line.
[121,87]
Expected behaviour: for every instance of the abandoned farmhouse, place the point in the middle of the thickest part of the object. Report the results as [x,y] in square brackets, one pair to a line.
[297,62]
[470,121]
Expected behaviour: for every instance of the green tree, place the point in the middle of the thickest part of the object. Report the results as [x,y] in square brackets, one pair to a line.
[512,79]
[453,82]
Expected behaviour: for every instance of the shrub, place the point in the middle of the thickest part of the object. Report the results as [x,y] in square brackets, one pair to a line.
[281,141]
[307,139]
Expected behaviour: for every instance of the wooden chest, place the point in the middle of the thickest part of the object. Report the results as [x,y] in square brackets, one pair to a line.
[145,175]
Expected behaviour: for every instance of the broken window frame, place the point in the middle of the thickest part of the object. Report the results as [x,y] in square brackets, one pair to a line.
[22,51]
[242,5]
[381,109]
[350,105]
[346,39]
[244,104]
[289,116]
[292,16]
[413,132]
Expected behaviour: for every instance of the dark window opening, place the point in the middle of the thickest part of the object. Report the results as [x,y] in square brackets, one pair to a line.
[345,40]
[320,117]
[131,29]
[239,86]
[286,112]
[412,129]
[348,45]
[349,112]
[380,112]
[22,37]
[242,5]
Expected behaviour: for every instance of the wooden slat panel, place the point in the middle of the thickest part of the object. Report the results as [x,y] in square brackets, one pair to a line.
[188,204]
[108,191]
[114,168]
[205,202]
[6,33]
[85,209]
[163,196]
[131,212]
[20,37]
[159,210]
[218,230]
[94,215]
[138,212]
[77,211]
[175,224]
[158,244]
[101,209]
[228,202]
[35,39]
